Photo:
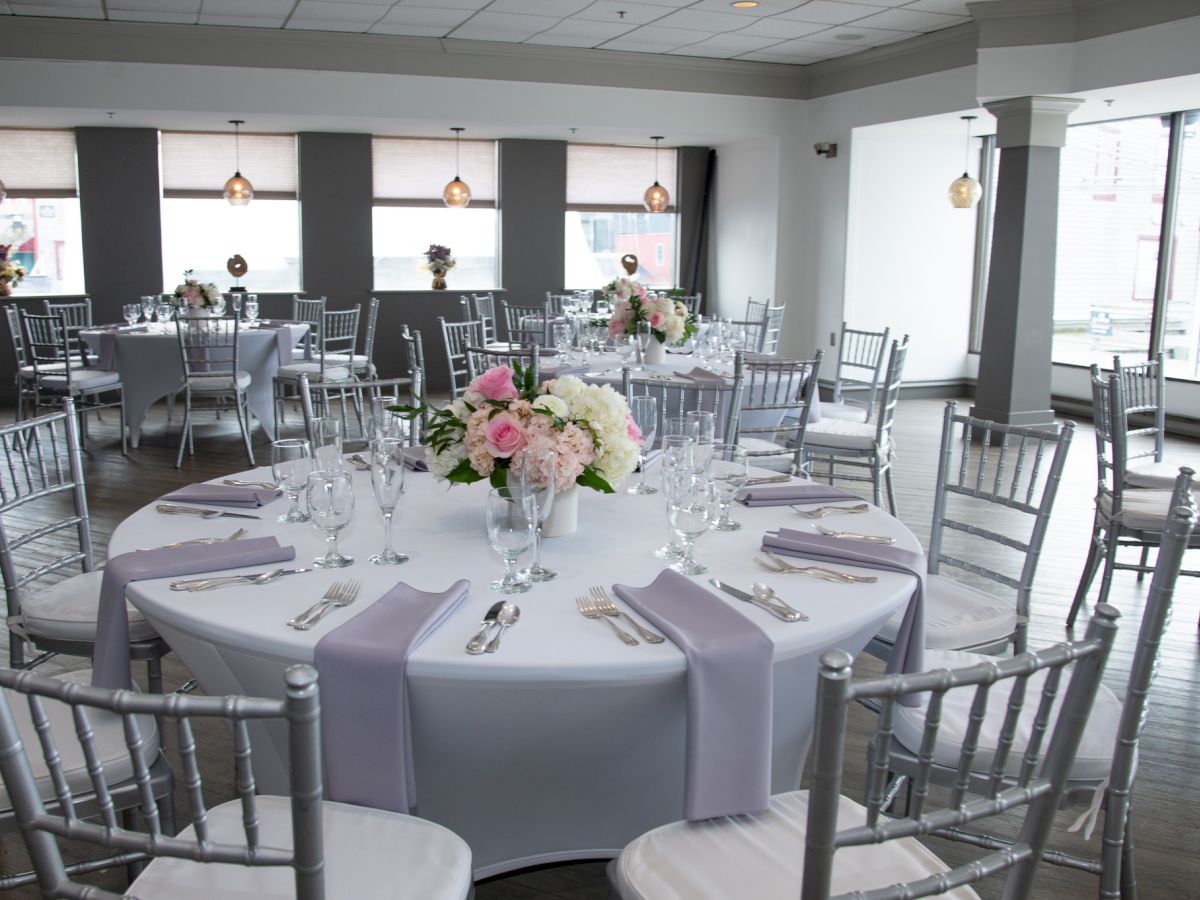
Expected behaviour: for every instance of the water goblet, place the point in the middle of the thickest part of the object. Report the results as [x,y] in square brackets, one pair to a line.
[218,305]
[623,346]
[690,509]
[331,506]
[387,481]
[250,308]
[291,463]
[149,301]
[511,522]
[536,477]
[645,415]
[235,300]
[728,469]
[562,341]
[165,313]
[327,443]
[131,311]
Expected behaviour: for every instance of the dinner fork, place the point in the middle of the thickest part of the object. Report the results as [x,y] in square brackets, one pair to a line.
[782,567]
[589,610]
[605,604]
[341,593]
[855,535]
[822,511]
[240,533]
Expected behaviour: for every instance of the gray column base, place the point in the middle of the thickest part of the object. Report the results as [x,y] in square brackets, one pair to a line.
[1032,418]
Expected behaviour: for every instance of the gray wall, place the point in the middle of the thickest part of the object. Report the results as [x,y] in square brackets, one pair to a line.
[533,191]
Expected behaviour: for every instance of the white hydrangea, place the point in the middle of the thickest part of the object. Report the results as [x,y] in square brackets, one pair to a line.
[569,388]
[552,404]
[442,464]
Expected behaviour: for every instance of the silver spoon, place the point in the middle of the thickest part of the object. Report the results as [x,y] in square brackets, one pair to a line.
[509,614]
[476,644]
[360,462]
[767,595]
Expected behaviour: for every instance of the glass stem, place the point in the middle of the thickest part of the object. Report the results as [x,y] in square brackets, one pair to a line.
[387,532]
[537,548]
[510,570]
[642,469]
[687,550]
[331,539]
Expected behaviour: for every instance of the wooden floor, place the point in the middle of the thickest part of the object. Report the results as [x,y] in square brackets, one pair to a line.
[1168,788]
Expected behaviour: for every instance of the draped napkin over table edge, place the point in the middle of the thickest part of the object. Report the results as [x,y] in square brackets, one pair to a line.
[550,372]
[787,494]
[729,694]
[414,459]
[110,664]
[702,377]
[365,719]
[107,356]
[237,496]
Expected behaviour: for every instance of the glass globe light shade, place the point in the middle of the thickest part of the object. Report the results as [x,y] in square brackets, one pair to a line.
[3,191]
[656,198]
[457,194]
[238,190]
[964,192]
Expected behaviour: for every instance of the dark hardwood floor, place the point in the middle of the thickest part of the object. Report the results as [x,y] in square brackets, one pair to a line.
[1166,816]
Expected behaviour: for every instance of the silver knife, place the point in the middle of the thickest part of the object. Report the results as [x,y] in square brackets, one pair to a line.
[782,611]
[476,645]
[172,509]
[204,584]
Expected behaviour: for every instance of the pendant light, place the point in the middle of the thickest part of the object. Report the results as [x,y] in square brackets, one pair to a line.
[238,190]
[456,194]
[965,191]
[656,197]
[3,192]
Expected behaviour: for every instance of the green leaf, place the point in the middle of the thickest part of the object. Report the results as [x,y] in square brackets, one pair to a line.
[590,478]
[463,473]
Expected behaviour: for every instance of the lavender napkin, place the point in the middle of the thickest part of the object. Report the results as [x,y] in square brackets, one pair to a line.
[545,373]
[908,654]
[221,495]
[414,459]
[728,769]
[110,665]
[364,699]
[702,377]
[787,494]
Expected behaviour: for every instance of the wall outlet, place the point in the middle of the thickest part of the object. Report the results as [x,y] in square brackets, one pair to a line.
[832,338]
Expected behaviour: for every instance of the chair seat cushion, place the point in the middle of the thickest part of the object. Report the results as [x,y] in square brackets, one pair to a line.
[370,854]
[1092,762]
[358,362]
[958,616]
[1142,510]
[217,384]
[842,411]
[838,434]
[28,371]
[768,454]
[82,380]
[66,611]
[761,857]
[293,371]
[1159,476]
[110,742]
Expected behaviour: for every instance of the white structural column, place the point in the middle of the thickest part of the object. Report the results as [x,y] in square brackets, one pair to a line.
[1014,363]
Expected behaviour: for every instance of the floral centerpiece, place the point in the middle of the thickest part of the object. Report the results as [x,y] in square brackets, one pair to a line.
[438,262]
[502,413]
[194,295]
[670,321]
[11,270]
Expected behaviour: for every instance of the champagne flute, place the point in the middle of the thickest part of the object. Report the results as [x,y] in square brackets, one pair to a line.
[511,522]
[327,443]
[645,414]
[644,336]
[291,463]
[387,480]
[676,459]
[728,469]
[331,506]
[702,429]
[537,478]
[690,509]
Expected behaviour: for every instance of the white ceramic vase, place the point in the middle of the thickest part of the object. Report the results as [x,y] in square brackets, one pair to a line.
[564,517]
[656,353]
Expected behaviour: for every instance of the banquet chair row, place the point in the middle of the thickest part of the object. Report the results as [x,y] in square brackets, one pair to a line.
[357,407]
[334,342]
[481,308]
[774,409]
[212,378]
[456,338]
[528,324]
[311,312]
[763,324]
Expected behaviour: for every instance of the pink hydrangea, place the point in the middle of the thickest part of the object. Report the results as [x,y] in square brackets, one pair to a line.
[504,435]
[495,384]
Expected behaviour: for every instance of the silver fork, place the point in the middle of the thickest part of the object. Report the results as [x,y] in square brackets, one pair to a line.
[822,511]
[785,566]
[240,533]
[605,604]
[814,571]
[341,593]
[589,610]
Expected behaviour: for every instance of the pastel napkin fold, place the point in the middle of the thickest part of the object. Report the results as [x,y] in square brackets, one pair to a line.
[414,459]
[110,665]
[221,495]
[702,377]
[729,688]
[787,494]
[908,654]
[545,373]
[365,719]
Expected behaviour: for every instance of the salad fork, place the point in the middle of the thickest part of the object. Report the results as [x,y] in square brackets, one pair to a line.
[822,511]
[786,567]
[605,604]
[588,609]
[340,593]
[855,535]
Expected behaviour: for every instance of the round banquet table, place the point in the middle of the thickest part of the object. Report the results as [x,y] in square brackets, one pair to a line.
[565,744]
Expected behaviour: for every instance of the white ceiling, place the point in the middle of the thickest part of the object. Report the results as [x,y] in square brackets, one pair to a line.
[795,32]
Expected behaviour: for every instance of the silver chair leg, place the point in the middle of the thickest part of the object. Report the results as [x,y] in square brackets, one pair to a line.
[243,417]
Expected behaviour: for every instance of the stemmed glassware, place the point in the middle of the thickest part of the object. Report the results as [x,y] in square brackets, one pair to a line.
[562,341]
[331,505]
[623,346]
[644,336]
[131,311]
[701,428]
[149,301]
[387,480]
[537,480]
[327,443]
[250,308]
[690,509]
[165,312]
[728,469]
[676,460]
[511,523]
[645,414]
[291,463]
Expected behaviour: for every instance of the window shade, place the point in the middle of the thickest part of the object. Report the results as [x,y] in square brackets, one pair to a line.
[197,164]
[38,163]
[413,171]
[615,178]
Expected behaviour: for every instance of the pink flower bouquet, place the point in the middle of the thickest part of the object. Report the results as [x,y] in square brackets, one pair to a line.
[194,294]
[669,319]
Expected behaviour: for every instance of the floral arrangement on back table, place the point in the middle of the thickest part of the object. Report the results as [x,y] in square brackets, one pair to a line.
[438,260]
[11,270]
[194,294]
[502,413]
[669,319]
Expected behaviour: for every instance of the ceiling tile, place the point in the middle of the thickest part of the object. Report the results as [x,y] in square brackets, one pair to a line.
[677,4]
[433,31]
[764,8]
[53,6]
[327,25]
[89,11]
[344,13]
[635,13]
[771,56]
[580,33]
[783,29]
[427,16]
[448,4]
[558,8]
[867,37]
[710,22]
[910,20]
[882,3]
[946,7]
[159,6]
[141,15]
[654,38]
[829,12]
[490,26]
[724,46]
[253,9]
[242,21]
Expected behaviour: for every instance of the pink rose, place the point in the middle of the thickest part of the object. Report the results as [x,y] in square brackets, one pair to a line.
[656,320]
[504,436]
[635,433]
[496,384]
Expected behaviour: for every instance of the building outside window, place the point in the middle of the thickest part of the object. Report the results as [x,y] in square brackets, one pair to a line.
[40,215]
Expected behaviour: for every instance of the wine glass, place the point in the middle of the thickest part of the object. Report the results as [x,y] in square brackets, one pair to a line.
[149,301]
[250,308]
[331,506]
[165,313]
[291,463]
[690,508]
[728,469]
[511,522]
[562,340]
[327,443]
[645,414]
[387,480]
[382,422]
[218,305]
[537,479]
[131,311]
[645,335]
[702,428]
[623,346]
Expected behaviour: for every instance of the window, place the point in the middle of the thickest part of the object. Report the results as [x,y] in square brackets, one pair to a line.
[408,213]
[1181,342]
[606,220]
[40,215]
[201,231]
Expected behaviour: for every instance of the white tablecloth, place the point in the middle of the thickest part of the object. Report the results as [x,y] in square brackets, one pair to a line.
[566,743]
[150,369]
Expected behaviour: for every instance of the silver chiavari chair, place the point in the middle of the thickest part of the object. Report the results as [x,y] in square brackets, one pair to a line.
[775,405]
[691,301]
[456,338]
[414,364]
[480,359]
[78,316]
[352,404]
[212,378]
[528,324]
[335,341]
[678,397]
[24,377]
[860,364]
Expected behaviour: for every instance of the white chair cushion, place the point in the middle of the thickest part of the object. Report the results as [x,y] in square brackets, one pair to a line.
[839,435]
[370,854]
[1142,510]
[1159,476]
[28,371]
[109,732]
[82,380]
[1092,762]
[780,459]
[217,384]
[761,857]
[842,412]
[293,371]
[358,361]
[957,615]
[66,611]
